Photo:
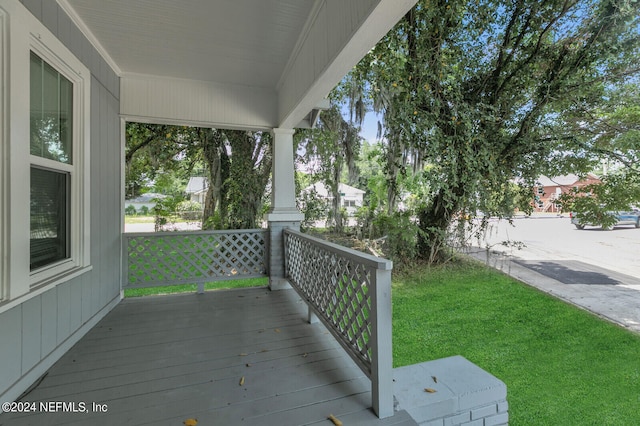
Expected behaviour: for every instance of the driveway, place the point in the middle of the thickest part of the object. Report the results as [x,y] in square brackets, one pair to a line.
[595,269]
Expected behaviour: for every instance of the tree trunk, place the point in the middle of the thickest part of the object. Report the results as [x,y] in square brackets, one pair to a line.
[393,156]
[433,222]
[335,201]
[213,153]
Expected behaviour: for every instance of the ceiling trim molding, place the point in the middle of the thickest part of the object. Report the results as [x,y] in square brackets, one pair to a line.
[84,29]
[304,34]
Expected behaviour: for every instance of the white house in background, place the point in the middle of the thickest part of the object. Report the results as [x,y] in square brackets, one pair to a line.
[350,198]
[197,188]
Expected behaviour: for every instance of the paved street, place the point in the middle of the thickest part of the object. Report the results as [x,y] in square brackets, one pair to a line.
[595,269]
[555,238]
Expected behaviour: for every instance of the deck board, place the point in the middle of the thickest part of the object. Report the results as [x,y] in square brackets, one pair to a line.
[160,360]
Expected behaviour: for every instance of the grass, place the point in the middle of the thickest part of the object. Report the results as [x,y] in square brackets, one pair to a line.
[129,219]
[184,288]
[561,365]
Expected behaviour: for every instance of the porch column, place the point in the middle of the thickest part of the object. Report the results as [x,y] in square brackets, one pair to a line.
[284,213]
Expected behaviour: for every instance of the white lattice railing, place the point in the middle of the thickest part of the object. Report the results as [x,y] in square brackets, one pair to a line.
[350,292]
[168,258]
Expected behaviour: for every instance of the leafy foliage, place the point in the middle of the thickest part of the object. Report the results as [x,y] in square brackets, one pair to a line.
[237,165]
[313,207]
[595,203]
[480,92]
[327,151]
[153,156]
[399,235]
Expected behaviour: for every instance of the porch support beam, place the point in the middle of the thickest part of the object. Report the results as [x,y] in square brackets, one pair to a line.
[284,213]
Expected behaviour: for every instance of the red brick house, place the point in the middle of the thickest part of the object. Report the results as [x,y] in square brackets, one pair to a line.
[548,190]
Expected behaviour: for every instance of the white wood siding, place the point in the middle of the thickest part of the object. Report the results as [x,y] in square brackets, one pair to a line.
[34,333]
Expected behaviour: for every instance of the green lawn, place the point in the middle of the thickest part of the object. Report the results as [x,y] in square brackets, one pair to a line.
[561,365]
[128,219]
[218,285]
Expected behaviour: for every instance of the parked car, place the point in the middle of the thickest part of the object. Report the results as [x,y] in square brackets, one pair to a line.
[631,217]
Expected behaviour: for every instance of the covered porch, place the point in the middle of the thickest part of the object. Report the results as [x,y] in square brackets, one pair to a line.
[276,356]
[253,356]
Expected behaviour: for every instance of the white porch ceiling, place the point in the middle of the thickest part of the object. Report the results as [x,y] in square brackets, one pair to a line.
[230,41]
[235,63]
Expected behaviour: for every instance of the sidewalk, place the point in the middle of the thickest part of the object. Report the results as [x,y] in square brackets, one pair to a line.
[608,294]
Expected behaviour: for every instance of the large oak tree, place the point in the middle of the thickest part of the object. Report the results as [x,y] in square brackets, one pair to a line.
[481,91]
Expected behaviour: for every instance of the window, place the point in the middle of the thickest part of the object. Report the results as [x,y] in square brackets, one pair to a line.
[51,149]
[58,162]
[541,190]
[349,203]
[46,199]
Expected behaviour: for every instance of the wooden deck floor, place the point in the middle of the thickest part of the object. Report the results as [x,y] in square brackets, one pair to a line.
[164,359]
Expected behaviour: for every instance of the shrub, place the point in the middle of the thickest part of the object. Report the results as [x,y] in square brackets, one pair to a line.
[400,235]
[189,210]
[313,207]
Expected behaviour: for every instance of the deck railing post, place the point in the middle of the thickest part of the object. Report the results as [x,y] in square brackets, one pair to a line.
[381,348]
[276,251]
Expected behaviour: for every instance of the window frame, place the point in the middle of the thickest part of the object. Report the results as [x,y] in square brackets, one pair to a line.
[23,35]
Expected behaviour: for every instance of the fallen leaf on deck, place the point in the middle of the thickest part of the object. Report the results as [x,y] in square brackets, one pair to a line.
[190,422]
[435,379]
[277,330]
[241,381]
[248,365]
[304,355]
[430,390]
[335,420]
[264,350]
[243,354]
